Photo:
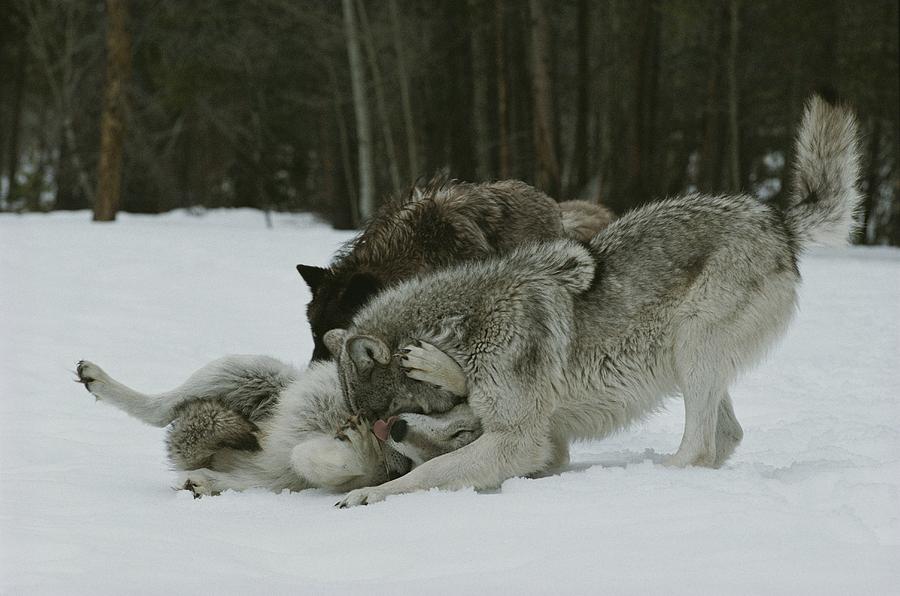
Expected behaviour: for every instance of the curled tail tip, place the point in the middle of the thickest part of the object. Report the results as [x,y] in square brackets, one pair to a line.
[828,121]
[824,206]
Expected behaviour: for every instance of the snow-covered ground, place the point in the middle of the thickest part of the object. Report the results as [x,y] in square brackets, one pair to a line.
[809,504]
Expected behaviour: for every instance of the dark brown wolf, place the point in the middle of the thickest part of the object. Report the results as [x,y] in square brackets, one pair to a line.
[432,227]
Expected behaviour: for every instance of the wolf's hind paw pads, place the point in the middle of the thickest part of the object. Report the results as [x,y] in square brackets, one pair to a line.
[88,373]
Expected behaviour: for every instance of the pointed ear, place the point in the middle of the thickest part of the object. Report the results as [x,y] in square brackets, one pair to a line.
[313,276]
[334,341]
[366,351]
[360,288]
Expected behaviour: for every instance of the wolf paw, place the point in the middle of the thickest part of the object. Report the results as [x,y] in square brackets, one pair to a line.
[361,496]
[196,481]
[354,424]
[90,375]
[428,364]
[684,460]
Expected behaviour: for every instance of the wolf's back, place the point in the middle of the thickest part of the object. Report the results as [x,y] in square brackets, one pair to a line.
[823,205]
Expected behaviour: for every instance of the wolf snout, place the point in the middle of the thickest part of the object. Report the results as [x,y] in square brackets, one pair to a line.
[399,430]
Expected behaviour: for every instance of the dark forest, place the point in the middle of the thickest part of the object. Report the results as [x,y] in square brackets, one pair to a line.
[329,107]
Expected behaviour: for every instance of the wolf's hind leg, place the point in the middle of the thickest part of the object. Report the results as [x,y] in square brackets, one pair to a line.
[703,374]
[247,384]
[728,432]
[698,444]
[202,429]
[148,408]
[706,361]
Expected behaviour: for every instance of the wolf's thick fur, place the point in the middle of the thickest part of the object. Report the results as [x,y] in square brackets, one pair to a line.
[560,342]
[435,226]
[252,421]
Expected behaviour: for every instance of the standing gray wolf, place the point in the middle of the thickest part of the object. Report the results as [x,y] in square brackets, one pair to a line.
[252,421]
[560,341]
[435,226]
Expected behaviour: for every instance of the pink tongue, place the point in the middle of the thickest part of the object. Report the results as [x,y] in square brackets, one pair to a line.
[382,428]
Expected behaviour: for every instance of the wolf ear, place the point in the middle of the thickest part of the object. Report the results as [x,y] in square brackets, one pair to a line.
[334,341]
[313,276]
[366,351]
[359,289]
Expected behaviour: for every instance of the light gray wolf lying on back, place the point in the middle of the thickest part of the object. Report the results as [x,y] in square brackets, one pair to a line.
[559,342]
[252,421]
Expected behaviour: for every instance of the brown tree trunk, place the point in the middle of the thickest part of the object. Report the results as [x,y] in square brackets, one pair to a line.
[640,109]
[733,118]
[872,179]
[648,94]
[363,119]
[346,163]
[580,158]
[380,103]
[412,149]
[502,91]
[112,124]
[16,118]
[479,91]
[710,175]
[547,176]
[632,177]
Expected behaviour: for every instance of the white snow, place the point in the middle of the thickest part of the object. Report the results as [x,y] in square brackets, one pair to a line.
[809,504]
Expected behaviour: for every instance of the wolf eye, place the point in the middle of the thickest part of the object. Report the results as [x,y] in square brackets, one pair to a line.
[461,434]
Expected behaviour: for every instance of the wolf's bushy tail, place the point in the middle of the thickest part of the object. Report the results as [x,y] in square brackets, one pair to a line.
[823,205]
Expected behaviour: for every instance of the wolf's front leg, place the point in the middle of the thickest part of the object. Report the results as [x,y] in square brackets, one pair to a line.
[429,364]
[484,463]
[247,384]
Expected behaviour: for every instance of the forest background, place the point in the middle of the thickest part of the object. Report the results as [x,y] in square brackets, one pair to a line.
[302,105]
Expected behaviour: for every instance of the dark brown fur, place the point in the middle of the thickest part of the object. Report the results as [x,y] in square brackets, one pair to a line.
[432,227]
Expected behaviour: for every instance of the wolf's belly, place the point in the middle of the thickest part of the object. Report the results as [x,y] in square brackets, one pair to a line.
[607,394]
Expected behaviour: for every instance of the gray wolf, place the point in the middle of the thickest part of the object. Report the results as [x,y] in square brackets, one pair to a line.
[560,341]
[252,421]
[437,225]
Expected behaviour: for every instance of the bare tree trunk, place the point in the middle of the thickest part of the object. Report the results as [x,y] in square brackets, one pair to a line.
[733,118]
[867,231]
[649,180]
[547,175]
[16,117]
[63,86]
[345,151]
[262,198]
[112,124]
[412,148]
[580,158]
[479,91]
[502,91]
[632,179]
[380,103]
[39,162]
[363,119]
[709,178]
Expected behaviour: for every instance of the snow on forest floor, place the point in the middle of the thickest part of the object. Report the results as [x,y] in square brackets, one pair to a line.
[809,504]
